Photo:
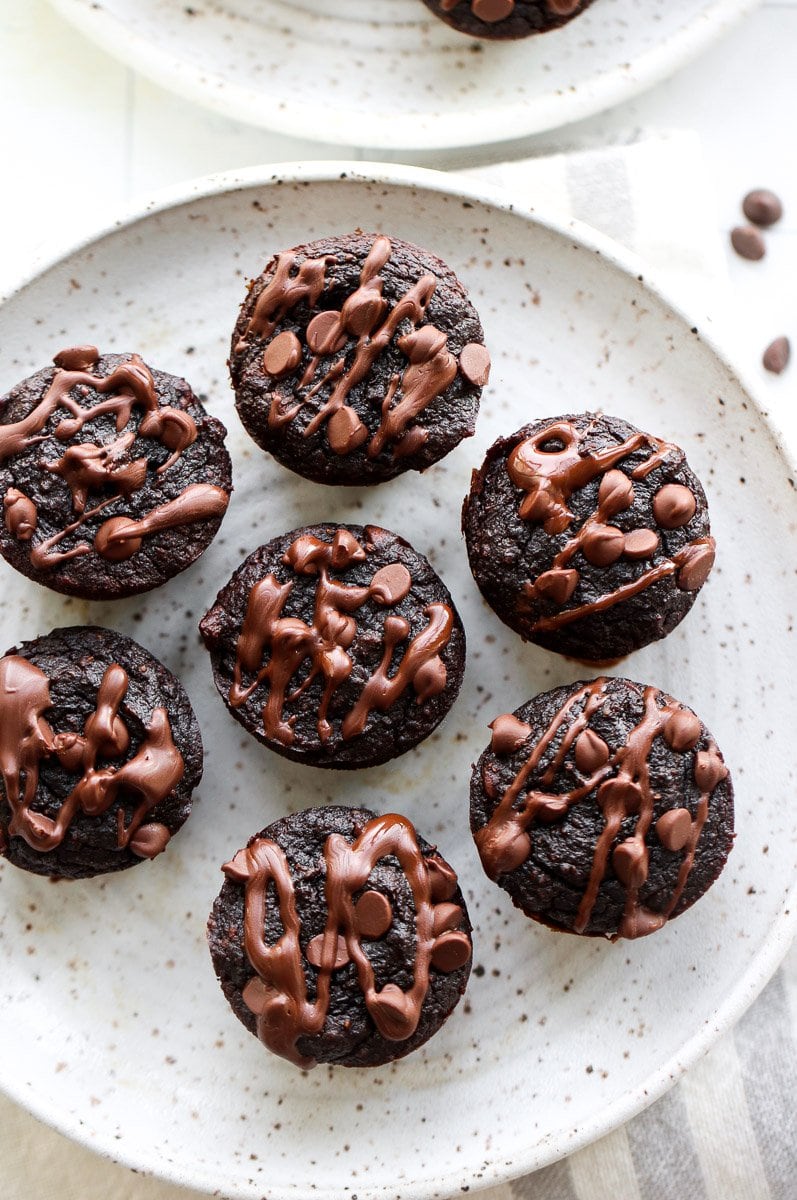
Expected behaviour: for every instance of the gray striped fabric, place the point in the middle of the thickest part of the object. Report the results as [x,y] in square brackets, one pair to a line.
[728,1131]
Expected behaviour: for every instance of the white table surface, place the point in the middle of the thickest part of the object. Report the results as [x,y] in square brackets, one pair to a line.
[64,103]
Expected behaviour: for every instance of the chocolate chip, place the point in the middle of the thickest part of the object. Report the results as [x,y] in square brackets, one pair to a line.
[696,561]
[603,545]
[777,355]
[315,947]
[509,734]
[492,10]
[592,752]
[474,363]
[673,829]
[641,543]
[556,585]
[373,915]
[283,354]
[446,916]
[451,951]
[748,242]
[682,731]
[674,506]
[762,207]
[77,358]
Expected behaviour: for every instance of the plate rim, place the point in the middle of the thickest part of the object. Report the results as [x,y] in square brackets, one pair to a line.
[387,131]
[783,930]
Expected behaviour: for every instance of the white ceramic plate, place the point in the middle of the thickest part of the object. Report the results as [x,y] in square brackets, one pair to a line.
[385,73]
[117,1032]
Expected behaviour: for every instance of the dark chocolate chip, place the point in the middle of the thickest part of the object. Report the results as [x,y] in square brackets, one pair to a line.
[762,207]
[776,356]
[748,242]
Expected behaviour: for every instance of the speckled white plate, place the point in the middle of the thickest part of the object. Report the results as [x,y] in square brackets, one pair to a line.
[386,73]
[115,1028]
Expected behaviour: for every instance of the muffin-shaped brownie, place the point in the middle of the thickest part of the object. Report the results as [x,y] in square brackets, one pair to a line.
[99,754]
[506,18]
[341,937]
[587,536]
[113,476]
[336,645]
[356,358]
[602,808]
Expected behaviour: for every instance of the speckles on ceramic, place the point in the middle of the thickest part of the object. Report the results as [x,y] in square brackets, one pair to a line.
[111,961]
[388,73]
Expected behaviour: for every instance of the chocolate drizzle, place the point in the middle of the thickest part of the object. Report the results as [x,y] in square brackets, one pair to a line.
[278,992]
[26,739]
[288,643]
[617,781]
[553,464]
[88,468]
[367,317]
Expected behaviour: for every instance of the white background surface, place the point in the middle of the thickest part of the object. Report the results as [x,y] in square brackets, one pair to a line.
[81,135]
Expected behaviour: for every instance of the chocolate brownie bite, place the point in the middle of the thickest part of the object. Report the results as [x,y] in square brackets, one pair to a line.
[602,808]
[336,645]
[341,937]
[113,477]
[588,536]
[506,19]
[356,358]
[99,754]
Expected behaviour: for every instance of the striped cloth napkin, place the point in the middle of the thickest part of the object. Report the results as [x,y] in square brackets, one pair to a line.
[728,1130]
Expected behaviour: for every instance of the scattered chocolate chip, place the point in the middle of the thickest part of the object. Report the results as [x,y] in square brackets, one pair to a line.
[762,207]
[748,242]
[777,355]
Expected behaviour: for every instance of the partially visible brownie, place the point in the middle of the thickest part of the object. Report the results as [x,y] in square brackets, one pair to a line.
[113,477]
[100,752]
[341,937]
[602,808]
[506,19]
